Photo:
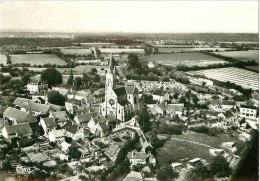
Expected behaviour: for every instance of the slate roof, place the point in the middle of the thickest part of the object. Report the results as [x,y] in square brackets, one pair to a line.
[61,116]
[18,115]
[119,91]
[131,89]
[103,126]
[49,122]
[136,155]
[71,127]
[83,93]
[19,129]
[228,114]
[176,107]
[43,108]
[58,133]
[84,118]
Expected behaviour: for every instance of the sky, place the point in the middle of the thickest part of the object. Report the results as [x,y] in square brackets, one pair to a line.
[131,16]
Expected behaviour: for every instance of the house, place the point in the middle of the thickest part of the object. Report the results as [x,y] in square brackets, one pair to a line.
[48,124]
[14,131]
[60,117]
[195,123]
[17,116]
[248,112]
[19,101]
[61,90]
[73,131]
[36,86]
[176,166]
[160,95]
[224,104]
[151,159]
[85,118]
[150,65]
[98,127]
[85,96]
[56,135]
[175,109]
[133,176]
[229,116]
[65,146]
[137,158]
[37,109]
[192,163]
[72,104]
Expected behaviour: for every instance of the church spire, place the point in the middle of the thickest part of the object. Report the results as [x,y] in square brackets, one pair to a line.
[111,63]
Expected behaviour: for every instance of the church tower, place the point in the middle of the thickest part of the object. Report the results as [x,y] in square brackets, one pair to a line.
[110,75]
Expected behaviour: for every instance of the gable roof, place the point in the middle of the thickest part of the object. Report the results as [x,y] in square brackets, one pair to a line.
[61,116]
[19,101]
[49,122]
[83,93]
[57,133]
[43,108]
[131,89]
[71,127]
[84,118]
[18,115]
[103,126]
[228,114]
[19,129]
[119,91]
[175,107]
[74,101]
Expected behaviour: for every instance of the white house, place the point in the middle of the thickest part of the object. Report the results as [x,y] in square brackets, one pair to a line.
[14,131]
[36,86]
[48,124]
[248,112]
[56,135]
[137,158]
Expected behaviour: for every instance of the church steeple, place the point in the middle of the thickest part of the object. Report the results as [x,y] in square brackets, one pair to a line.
[111,63]
[110,73]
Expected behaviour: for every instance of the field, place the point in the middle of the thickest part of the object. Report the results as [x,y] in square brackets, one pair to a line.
[188,59]
[178,50]
[76,51]
[253,67]
[238,76]
[37,59]
[121,50]
[242,55]
[3,59]
[174,150]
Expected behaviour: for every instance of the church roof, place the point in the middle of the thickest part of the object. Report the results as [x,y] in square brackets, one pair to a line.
[119,91]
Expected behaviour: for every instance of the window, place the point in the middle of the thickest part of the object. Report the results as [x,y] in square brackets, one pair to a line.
[103,109]
[251,110]
[119,111]
[251,114]
[129,97]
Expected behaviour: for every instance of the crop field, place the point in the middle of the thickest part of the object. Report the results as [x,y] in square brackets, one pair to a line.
[37,59]
[245,78]
[242,55]
[122,50]
[253,67]
[188,59]
[178,50]
[3,60]
[76,51]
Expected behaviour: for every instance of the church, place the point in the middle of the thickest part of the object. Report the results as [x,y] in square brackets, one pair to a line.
[120,101]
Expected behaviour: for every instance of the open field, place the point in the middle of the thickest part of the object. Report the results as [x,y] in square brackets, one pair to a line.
[188,59]
[177,50]
[76,51]
[174,150]
[121,50]
[245,78]
[3,60]
[242,55]
[37,59]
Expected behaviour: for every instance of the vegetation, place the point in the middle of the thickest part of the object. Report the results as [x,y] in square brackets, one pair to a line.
[55,97]
[52,77]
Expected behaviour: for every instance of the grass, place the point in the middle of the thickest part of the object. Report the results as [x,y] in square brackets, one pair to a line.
[3,59]
[177,50]
[37,59]
[253,67]
[174,150]
[121,50]
[188,59]
[76,51]
[242,55]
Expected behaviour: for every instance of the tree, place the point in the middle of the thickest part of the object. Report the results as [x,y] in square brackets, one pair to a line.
[133,62]
[71,78]
[52,77]
[86,80]
[74,153]
[203,84]
[200,172]
[220,167]
[93,71]
[78,82]
[55,97]
[166,174]
[144,119]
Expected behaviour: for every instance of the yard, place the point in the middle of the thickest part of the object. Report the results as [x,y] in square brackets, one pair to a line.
[241,55]
[3,60]
[37,59]
[188,59]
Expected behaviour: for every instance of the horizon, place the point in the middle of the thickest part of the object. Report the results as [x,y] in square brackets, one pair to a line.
[138,17]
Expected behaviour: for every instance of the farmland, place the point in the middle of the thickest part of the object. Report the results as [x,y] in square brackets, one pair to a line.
[121,50]
[246,79]
[188,59]
[3,60]
[76,51]
[37,59]
[177,50]
[241,55]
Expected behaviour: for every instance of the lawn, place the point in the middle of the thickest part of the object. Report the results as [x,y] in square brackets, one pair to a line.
[37,59]
[174,150]
[76,51]
[241,55]
[3,60]
[188,59]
